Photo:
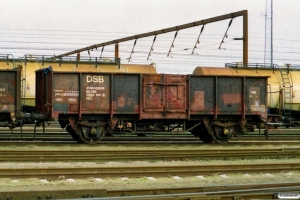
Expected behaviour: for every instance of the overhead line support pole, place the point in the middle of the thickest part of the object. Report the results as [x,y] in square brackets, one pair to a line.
[245,38]
[116,50]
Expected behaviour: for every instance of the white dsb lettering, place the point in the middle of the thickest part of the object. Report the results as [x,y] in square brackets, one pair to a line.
[95,79]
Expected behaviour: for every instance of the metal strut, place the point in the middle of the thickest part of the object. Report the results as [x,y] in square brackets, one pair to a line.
[172,45]
[151,49]
[132,51]
[198,41]
[225,35]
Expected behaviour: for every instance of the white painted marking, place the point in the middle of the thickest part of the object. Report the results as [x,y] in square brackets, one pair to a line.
[152,178]
[268,174]
[44,181]
[201,177]
[289,173]
[176,177]
[71,180]
[15,181]
[224,176]
[99,179]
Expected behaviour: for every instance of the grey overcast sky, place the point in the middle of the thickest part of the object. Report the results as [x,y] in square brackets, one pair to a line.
[44,27]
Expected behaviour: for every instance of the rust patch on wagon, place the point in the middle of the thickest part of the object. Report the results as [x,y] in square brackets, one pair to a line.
[114,105]
[198,101]
[121,101]
[232,98]
[13,83]
[136,108]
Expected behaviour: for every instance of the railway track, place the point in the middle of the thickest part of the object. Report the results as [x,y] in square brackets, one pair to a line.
[146,171]
[188,139]
[252,191]
[150,143]
[55,133]
[121,155]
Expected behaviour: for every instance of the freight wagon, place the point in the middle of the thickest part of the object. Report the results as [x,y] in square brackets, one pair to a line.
[91,104]
[9,97]
[283,88]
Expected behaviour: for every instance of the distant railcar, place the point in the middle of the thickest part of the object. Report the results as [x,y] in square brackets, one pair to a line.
[10,101]
[92,104]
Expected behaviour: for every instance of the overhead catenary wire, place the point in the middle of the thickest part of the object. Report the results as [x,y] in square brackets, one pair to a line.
[160,50]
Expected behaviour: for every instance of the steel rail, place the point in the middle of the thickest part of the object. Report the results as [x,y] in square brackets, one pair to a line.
[108,155]
[241,191]
[266,193]
[138,171]
[163,142]
[206,189]
[52,136]
[147,151]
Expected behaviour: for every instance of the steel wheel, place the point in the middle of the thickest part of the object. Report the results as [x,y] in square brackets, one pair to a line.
[206,137]
[87,137]
[203,134]
[266,133]
[222,135]
[73,134]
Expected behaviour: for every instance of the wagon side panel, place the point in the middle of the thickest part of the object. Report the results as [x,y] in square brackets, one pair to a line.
[202,95]
[164,96]
[126,93]
[65,92]
[10,90]
[43,89]
[256,96]
[229,95]
[96,92]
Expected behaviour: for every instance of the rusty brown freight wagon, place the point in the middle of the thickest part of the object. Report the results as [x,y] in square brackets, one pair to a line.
[92,104]
[10,101]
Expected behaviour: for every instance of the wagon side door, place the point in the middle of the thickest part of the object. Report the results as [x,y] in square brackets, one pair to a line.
[164,96]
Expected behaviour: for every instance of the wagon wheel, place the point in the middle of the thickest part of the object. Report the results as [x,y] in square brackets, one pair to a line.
[73,134]
[266,133]
[203,134]
[205,137]
[219,136]
[87,137]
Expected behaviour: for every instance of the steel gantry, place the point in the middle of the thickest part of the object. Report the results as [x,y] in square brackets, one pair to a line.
[243,13]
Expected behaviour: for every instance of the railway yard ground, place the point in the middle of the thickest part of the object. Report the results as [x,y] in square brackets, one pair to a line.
[53,164]
[120,169]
